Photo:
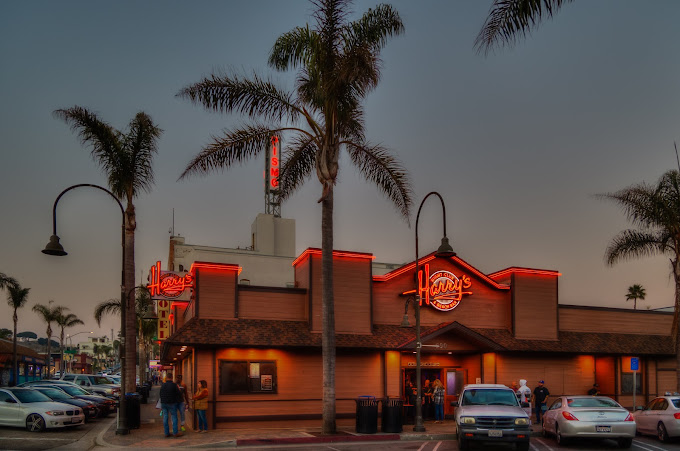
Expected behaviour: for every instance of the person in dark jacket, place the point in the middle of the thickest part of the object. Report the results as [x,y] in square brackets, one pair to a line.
[170,395]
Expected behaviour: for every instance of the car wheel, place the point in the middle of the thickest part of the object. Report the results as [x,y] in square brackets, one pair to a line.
[35,423]
[558,436]
[625,442]
[661,432]
[462,443]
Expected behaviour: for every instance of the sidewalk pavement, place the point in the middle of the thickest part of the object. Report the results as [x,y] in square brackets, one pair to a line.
[230,435]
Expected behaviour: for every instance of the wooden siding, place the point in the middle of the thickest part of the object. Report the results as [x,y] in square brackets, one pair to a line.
[489,368]
[614,321]
[535,303]
[272,305]
[216,292]
[393,373]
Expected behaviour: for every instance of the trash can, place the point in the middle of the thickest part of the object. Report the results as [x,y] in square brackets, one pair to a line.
[133,410]
[392,415]
[367,415]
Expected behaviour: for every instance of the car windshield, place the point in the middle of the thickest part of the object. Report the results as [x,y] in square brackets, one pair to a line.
[489,397]
[98,380]
[592,402]
[29,396]
[73,391]
[54,393]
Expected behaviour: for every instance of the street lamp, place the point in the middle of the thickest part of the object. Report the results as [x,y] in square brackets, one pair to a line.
[70,337]
[55,248]
[445,250]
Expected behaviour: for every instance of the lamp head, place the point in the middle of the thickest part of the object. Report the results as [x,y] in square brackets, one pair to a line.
[404,321]
[445,250]
[53,247]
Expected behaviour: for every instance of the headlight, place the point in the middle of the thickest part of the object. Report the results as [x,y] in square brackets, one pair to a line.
[55,413]
[521,421]
[467,420]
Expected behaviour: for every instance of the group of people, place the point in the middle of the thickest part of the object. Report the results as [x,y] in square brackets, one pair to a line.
[432,399]
[540,397]
[174,400]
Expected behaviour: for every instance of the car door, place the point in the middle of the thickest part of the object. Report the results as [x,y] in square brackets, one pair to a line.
[550,416]
[642,419]
[9,410]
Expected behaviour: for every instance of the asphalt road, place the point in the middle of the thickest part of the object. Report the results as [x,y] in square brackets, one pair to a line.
[73,438]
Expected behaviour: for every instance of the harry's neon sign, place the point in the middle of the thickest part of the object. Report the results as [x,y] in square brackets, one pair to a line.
[443,290]
[169,285]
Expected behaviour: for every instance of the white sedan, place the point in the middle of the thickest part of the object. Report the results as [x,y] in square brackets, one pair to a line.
[593,417]
[661,417]
[25,407]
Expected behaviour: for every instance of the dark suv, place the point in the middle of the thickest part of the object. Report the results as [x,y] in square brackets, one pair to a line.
[100,385]
[491,413]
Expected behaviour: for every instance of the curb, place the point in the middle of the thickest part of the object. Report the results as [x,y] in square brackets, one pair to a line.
[327,439]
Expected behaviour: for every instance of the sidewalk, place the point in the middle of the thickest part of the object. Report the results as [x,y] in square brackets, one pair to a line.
[229,435]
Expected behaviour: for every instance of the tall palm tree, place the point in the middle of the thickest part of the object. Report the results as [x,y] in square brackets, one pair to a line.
[339,64]
[49,314]
[96,350]
[635,292]
[655,212]
[510,19]
[64,321]
[126,158]
[16,298]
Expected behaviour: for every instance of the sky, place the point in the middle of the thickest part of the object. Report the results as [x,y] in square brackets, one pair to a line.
[517,142]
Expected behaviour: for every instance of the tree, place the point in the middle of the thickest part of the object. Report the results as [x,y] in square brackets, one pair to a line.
[28,334]
[655,212]
[5,333]
[339,64]
[126,158]
[635,292]
[16,298]
[510,19]
[49,314]
[64,321]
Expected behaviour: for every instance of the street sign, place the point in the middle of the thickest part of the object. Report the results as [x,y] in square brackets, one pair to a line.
[70,351]
[634,364]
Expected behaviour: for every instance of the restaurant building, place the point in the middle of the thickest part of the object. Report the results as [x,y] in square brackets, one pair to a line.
[258,346]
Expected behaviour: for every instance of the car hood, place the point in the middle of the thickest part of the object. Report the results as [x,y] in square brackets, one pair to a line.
[48,405]
[492,411]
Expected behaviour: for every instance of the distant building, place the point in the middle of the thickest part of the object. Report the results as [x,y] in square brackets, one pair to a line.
[29,361]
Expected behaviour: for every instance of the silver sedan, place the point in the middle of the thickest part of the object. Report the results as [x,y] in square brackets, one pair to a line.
[589,417]
[661,417]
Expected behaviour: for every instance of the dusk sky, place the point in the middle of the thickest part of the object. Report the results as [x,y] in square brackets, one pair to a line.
[517,142]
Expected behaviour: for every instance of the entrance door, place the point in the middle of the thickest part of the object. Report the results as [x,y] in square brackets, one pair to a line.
[455,380]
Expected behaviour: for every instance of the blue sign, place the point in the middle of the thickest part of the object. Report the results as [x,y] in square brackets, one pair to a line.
[634,364]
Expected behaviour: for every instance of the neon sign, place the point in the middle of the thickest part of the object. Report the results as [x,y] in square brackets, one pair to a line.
[443,289]
[163,319]
[168,285]
[274,164]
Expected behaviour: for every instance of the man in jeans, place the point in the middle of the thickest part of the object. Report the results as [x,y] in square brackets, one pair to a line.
[182,401]
[170,395]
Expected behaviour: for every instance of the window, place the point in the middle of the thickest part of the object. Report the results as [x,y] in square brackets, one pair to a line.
[240,376]
[627,384]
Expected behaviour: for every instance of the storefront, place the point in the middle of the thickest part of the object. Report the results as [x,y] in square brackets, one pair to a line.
[259,347]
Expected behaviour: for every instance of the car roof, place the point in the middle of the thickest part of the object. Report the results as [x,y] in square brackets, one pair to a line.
[477,386]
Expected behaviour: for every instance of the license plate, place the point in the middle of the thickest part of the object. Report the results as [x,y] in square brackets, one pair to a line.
[603,428]
[75,420]
[495,433]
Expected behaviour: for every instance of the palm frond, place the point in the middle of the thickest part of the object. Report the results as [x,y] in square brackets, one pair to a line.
[294,49]
[7,281]
[17,296]
[379,167]
[252,97]
[632,244]
[140,146]
[109,307]
[299,159]
[510,19]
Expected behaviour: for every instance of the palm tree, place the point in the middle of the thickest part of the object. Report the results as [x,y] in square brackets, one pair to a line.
[655,211]
[65,321]
[509,19]
[339,64]
[16,298]
[49,314]
[96,350]
[635,292]
[126,159]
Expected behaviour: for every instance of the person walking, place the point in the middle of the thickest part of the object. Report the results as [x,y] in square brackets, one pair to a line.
[427,400]
[541,394]
[438,400]
[595,391]
[524,393]
[201,406]
[169,396]
[182,402]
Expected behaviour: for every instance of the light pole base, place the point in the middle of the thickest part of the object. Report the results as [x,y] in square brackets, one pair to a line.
[419,428]
[122,431]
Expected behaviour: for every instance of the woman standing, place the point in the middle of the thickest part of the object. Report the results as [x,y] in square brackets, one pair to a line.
[438,398]
[201,406]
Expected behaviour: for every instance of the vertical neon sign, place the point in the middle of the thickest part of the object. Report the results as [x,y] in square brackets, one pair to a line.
[274,164]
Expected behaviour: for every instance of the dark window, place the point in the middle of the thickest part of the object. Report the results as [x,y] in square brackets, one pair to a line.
[627,384]
[240,376]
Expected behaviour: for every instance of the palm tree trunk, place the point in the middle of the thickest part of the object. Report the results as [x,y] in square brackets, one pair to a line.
[15,366]
[328,314]
[49,351]
[130,332]
[62,367]
[676,312]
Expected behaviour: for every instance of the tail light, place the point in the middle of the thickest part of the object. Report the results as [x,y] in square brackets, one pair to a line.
[569,416]
[629,418]
[677,415]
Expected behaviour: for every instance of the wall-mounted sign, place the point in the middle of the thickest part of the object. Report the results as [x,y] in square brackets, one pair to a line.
[442,289]
[163,309]
[274,160]
[424,364]
[169,285]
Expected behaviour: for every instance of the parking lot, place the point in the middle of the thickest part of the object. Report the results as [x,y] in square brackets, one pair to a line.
[73,438]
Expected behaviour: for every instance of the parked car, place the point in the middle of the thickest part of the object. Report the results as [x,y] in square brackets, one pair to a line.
[661,417]
[491,413]
[105,405]
[593,417]
[25,407]
[98,384]
[88,407]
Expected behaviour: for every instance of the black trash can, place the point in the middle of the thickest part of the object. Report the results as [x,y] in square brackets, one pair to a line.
[392,409]
[133,410]
[367,415]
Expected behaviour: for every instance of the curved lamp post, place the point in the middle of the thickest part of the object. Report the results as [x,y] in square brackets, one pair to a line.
[54,248]
[445,250]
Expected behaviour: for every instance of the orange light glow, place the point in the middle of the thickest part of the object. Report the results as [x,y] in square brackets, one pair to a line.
[518,270]
[443,290]
[339,254]
[168,284]
[217,266]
